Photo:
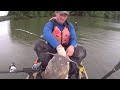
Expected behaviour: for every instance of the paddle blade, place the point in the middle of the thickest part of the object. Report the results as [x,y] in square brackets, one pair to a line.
[117,67]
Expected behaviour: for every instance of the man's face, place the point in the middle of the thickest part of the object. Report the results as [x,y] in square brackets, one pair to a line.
[61,17]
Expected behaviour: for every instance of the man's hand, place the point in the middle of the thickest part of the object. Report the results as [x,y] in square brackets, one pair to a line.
[70,50]
[60,50]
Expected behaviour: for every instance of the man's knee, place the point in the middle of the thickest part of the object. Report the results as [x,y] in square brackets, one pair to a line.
[73,68]
[37,45]
[40,46]
[80,52]
[44,59]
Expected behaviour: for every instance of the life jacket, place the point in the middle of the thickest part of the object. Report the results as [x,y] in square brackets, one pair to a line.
[61,36]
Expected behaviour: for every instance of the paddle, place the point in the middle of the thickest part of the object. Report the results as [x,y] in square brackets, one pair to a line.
[116,68]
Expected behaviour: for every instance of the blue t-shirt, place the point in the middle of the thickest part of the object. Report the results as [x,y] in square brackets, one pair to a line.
[47,34]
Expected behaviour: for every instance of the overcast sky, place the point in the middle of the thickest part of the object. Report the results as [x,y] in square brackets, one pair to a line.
[3,13]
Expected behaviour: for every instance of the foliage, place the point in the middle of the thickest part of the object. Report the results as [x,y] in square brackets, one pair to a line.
[31,14]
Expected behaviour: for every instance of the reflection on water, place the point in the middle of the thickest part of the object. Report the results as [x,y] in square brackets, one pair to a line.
[98,35]
[102,47]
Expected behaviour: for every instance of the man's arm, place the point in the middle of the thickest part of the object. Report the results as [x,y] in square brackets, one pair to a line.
[73,37]
[73,41]
[47,33]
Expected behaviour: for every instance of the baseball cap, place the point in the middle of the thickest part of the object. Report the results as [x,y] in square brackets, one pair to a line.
[64,12]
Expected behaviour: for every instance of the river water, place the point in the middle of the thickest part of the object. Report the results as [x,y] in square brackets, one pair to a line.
[100,37]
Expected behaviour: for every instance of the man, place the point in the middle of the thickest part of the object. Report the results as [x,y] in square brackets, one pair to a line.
[60,37]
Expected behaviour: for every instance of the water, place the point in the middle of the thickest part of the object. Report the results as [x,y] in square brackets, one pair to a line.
[99,36]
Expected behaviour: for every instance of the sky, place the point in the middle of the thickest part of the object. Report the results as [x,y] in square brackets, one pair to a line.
[3,13]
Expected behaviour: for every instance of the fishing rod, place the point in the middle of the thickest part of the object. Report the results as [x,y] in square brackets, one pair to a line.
[116,68]
[12,69]
[76,28]
[29,71]
[29,33]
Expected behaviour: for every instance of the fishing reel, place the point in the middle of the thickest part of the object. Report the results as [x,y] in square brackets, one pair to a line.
[36,64]
[12,67]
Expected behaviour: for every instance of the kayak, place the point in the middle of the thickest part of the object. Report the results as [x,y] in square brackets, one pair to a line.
[81,75]
[82,72]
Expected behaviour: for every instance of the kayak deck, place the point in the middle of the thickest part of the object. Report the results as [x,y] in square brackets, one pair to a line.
[82,73]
